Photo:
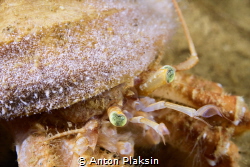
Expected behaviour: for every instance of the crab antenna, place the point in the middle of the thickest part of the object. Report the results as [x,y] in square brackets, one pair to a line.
[193,59]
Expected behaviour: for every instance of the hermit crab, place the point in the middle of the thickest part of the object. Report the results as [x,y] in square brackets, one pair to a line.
[81,84]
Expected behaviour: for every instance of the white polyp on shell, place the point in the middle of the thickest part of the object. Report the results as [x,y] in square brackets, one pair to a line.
[47,92]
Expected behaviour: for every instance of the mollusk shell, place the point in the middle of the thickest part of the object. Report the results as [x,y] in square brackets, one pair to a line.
[56,53]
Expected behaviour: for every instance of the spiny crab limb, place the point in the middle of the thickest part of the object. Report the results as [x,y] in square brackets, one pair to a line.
[90,126]
[161,129]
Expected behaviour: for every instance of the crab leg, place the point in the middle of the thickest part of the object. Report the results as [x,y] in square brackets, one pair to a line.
[212,144]
[91,125]
[193,59]
[197,92]
[161,129]
[205,111]
[192,94]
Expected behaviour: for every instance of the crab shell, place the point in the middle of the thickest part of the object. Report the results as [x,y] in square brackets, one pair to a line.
[55,54]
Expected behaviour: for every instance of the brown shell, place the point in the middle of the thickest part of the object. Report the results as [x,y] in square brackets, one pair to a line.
[56,53]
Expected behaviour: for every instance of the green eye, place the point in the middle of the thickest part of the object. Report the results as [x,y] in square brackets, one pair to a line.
[170,74]
[116,116]
[118,119]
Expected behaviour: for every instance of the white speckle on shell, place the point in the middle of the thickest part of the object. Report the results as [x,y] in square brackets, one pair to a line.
[61,90]
[25,103]
[47,92]
[3,110]
[76,49]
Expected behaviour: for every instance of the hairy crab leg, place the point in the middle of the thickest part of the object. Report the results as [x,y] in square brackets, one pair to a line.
[93,124]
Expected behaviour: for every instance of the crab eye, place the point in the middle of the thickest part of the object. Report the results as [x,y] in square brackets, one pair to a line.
[165,74]
[116,116]
[170,74]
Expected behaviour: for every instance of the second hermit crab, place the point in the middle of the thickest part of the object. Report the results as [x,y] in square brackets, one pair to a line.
[85,85]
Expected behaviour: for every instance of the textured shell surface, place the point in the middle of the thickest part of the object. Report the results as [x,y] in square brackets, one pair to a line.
[56,53]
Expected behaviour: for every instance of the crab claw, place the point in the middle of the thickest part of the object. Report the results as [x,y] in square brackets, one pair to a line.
[208,111]
[161,129]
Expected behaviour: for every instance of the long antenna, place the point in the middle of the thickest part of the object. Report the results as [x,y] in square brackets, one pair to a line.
[193,59]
